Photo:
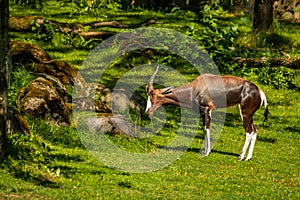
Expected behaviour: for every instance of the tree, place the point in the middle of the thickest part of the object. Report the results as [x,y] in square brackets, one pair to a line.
[263,15]
[4,17]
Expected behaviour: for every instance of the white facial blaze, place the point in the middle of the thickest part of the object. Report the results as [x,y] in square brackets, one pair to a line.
[149,104]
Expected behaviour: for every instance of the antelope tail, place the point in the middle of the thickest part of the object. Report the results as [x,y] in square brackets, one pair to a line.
[265,103]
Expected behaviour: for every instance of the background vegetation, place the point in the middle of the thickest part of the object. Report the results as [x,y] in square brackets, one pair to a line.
[53,164]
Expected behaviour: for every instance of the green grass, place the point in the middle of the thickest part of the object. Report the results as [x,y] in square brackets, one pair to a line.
[53,163]
[273,173]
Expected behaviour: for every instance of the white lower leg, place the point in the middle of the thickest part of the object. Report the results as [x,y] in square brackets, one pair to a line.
[253,139]
[247,142]
[207,142]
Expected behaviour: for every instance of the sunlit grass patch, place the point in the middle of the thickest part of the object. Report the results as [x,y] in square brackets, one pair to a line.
[54,163]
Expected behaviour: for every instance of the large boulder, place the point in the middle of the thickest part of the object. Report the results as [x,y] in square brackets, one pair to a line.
[47,96]
[96,97]
[59,69]
[115,104]
[25,53]
[40,99]
[38,62]
[92,97]
[112,125]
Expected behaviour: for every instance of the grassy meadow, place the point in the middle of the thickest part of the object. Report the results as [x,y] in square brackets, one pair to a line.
[53,163]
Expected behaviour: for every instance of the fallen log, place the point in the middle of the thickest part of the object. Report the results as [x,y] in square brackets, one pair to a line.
[292,63]
[112,24]
[36,23]
[115,24]
[96,34]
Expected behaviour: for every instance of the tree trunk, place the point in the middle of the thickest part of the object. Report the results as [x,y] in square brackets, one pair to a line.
[4,17]
[263,15]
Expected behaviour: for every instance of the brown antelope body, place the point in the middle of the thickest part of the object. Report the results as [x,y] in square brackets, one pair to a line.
[208,92]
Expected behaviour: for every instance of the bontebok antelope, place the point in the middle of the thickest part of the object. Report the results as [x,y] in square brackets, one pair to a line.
[205,92]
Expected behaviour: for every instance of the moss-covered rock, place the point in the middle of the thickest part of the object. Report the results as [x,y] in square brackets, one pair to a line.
[40,99]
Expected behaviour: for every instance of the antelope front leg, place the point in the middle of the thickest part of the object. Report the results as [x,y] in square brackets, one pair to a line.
[207,142]
[207,121]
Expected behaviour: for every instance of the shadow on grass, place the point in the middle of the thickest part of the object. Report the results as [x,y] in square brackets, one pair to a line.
[266,139]
[225,153]
[293,129]
[197,150]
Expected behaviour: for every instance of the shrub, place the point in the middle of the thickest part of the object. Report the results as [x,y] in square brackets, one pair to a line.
[279,78]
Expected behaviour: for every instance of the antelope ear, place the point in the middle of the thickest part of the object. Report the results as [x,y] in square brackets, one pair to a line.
[167,90]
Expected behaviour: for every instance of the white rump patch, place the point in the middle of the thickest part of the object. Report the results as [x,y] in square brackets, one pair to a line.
[263,98]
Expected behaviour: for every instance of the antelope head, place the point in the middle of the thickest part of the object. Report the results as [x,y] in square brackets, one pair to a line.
[156,97]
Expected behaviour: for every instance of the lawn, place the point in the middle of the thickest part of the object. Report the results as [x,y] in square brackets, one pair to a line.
[54,164]
[273,173]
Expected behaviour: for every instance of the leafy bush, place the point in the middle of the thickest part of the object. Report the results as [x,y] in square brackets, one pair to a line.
[92,7]
[38,4]
[96,7]
[217,40]
[52,34]
[279,78]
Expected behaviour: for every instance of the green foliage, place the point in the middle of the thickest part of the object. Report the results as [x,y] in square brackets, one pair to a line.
[53,164]
[18,79]
[93,7]
[279,78]
[37,4]
[52,34]
[96,7]
[282,37]
[183,14]
[27,155]
[58,135]
[215,37]
[217,40]
[276,77]
[271,174]
[272,40]
[26,148]
[45,32]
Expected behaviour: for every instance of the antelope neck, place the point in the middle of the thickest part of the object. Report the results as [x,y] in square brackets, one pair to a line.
[182,96]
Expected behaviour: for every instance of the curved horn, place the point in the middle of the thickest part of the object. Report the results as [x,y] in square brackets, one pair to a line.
[149,86]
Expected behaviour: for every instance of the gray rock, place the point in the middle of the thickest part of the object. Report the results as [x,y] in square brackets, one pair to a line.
[112,125]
